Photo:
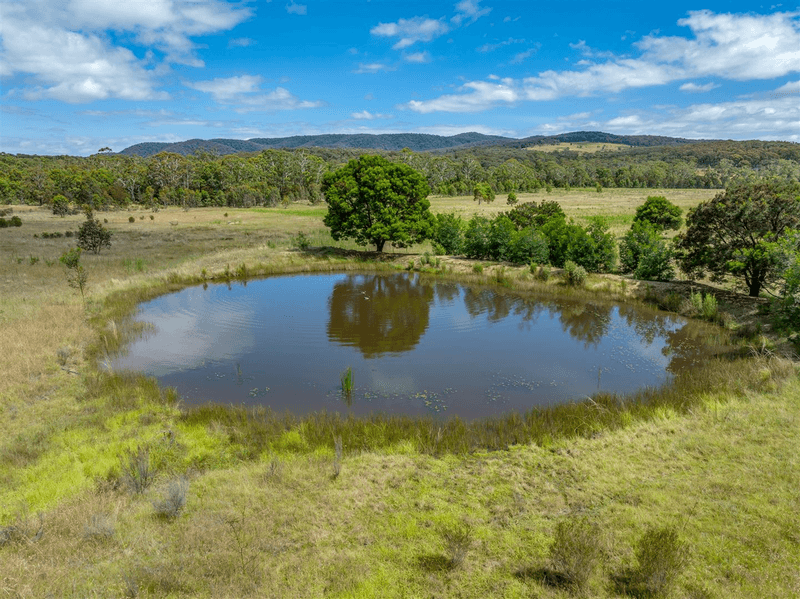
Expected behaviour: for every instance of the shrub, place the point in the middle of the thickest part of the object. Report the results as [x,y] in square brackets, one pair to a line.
[449,233]
[131,219]
[656,263]
[659,212]
[540,271]
[705,305]
[477,237]
[575,275]
[173,500]
[301,241]
[457,542]
[137,474]
[660,557]
[15,221]
[60,206]
[512,199]
[477,269]
[92,236]
[645,254]
[3,223]
[575,552]
[71,258]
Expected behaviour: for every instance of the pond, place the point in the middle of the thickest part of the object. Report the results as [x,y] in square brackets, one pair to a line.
[416,345]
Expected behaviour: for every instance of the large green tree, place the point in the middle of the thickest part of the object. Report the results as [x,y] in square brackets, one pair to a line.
[373,200]
[736,232]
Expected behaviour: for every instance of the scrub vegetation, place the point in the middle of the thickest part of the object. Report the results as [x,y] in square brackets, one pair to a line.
[110,487]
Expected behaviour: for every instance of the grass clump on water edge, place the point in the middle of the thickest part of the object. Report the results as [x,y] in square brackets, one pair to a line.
[259,430]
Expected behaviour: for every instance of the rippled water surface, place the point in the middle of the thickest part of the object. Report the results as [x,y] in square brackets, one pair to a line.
[416,345]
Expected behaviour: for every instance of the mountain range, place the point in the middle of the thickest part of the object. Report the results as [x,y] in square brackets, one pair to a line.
[418,142]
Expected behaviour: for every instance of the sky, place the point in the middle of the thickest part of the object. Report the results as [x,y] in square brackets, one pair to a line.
[80,75]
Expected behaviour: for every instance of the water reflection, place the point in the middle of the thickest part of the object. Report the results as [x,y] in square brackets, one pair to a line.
[379,314]
[416,345]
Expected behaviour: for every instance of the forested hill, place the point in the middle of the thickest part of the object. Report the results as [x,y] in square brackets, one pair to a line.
[417,142]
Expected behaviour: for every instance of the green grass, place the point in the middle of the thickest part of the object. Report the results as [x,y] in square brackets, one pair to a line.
[713,456]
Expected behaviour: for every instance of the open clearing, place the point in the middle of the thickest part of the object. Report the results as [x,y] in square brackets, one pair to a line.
[301,522]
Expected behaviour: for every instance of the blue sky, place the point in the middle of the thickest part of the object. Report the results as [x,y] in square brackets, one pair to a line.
[78,75]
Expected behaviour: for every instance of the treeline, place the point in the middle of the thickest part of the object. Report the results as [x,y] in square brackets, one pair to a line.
[271,177]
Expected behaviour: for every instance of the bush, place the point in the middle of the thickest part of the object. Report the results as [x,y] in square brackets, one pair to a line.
[131,219]
[301,241]
[575,275]
[704,305]
[60,206]
[449,233]
[540,271]
[661,557]
[528,245]
[457,542]
[15,221]
[92,236]
[137,474]
[174,499]
[512,199]
[477,236]
[659,212]
[3,223]
[646,255]
[575,552]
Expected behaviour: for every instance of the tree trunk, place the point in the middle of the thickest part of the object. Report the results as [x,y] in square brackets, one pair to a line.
[755,287]
[379,245]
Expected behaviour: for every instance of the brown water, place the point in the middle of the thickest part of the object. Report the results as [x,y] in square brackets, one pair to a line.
[416,345]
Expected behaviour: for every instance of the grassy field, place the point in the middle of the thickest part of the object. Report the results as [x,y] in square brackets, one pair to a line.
[581,147]
[284,512]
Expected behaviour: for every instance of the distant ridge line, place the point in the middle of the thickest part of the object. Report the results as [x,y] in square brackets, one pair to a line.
[417,142]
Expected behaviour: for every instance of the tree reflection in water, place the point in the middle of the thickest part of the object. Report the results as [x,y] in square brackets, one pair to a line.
[379,314]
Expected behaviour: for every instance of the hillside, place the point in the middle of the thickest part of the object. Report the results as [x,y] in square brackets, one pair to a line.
[418,142]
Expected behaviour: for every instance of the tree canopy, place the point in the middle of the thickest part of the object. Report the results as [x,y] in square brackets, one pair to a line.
[736,232]
[374,201]
[659,212]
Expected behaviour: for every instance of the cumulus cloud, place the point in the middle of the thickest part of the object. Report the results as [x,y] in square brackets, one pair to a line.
[65,46]
[244,94]
[738,47]
[776,115]
[411,31]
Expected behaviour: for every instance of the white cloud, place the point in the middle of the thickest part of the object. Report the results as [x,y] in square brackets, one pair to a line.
[411,31]
[418,57]
[737,47]
[365,115]
[774,116]
[734,46]
[296,9]
[244,93]
[469,11]
[694,88]
[74,67]
[65,46]
[373,67]
[481,96]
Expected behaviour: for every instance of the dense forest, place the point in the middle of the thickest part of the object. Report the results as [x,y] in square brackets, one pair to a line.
[272,176]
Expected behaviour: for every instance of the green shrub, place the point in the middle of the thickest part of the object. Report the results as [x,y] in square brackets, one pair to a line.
[449,233]
[659,212]
[704,305]
[575,275]
[575,552]
[457,542]
[137,473]
[60,206]
[643,253]
[131,219]
[477,237]
[660,557]
[3,223]
[92,236]
[15,221]
[477,269]
[301,241]
[512,198]
[540,271]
